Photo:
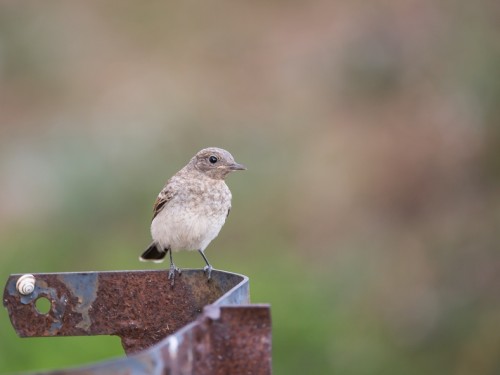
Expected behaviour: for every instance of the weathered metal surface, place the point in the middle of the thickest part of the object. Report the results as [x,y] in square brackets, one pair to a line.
[205,334]
[224,340]
[141,307]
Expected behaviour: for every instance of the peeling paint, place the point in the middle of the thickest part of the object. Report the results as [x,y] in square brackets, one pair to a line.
[85,289]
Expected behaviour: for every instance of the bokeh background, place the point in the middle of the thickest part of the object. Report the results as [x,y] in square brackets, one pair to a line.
[369,216]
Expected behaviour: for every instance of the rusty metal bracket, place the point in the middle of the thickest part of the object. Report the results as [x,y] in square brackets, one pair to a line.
[194,327]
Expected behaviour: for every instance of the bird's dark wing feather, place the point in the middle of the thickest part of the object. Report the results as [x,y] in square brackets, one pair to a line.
[163,198]
[228,211]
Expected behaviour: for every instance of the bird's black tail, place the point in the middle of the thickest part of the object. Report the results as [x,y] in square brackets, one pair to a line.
[153,254]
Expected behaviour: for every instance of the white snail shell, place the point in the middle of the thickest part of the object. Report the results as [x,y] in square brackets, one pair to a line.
[26,284]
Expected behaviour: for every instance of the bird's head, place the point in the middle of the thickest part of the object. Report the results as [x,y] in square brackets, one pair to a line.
[215,163]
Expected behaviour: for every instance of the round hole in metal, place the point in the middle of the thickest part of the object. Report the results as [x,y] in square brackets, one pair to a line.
[43,305]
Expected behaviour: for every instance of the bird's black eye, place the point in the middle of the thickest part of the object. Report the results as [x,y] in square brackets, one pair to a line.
[213,159]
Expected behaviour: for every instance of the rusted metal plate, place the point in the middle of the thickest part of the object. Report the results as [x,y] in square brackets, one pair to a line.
[223,340]
[141,307]
[194,326]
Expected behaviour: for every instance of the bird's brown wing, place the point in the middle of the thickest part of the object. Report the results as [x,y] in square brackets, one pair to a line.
[163,198]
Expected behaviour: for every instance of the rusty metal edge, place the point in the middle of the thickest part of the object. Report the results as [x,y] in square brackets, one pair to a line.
[162,357]
[152,360]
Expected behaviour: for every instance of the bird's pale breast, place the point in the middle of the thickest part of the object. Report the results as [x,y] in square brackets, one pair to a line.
[194,216]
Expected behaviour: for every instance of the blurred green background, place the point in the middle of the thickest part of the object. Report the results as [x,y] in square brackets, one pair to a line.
[369,216]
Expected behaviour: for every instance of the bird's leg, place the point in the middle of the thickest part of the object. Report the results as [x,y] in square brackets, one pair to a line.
[208,267]
[173,268]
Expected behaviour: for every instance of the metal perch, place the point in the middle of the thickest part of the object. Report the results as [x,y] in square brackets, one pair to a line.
[195,327]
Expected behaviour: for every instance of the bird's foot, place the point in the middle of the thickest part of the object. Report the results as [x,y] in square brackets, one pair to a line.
[208,271]
[171,273]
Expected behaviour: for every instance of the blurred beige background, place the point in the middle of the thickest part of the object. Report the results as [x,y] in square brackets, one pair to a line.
[369,214]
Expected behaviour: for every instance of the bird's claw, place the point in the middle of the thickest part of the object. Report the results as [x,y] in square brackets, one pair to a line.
[171,273]
[208,271]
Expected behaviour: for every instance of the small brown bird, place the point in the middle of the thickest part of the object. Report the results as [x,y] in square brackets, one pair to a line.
[192,208]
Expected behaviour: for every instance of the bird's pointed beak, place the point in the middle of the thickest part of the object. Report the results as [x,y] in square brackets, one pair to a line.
[237,167]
